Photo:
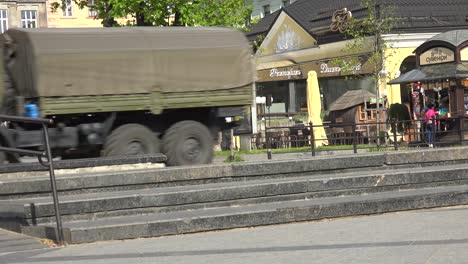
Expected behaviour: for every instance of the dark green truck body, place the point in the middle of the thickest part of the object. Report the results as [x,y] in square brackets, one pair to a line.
[154,77]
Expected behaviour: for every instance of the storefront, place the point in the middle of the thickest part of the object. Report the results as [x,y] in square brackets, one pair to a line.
[289,51]
[441,76]
[287,84]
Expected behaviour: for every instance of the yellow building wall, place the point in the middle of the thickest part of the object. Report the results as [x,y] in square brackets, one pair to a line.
[393,61]
[80,18]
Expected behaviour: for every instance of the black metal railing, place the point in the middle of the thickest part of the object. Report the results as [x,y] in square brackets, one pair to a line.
[391,135]
[40,155]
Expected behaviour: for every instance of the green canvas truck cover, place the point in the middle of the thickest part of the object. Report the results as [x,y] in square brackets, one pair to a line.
[53,62]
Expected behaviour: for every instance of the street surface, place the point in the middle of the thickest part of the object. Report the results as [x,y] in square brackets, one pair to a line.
[424,236]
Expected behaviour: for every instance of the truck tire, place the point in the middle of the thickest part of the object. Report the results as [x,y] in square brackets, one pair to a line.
[188,143]
[131,139]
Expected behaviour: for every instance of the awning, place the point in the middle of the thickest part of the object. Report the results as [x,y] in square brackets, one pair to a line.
[414,75]
[433,72]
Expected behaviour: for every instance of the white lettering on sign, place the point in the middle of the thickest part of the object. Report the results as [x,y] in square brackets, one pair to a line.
[325,69]
[275,73]
[436,56]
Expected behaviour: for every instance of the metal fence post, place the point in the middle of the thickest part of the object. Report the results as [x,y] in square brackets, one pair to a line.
[267,138]
[459,130]
[394,128]
[312,139]
[60,236]
[354,138]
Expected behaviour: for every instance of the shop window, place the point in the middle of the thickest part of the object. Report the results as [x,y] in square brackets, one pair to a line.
[333,88]
[301,96]
[465,100]
[280,93]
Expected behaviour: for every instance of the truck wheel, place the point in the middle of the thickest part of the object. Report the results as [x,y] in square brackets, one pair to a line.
[188,143]
[131,139]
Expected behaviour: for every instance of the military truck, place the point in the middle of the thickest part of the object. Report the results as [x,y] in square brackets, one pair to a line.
[126,91]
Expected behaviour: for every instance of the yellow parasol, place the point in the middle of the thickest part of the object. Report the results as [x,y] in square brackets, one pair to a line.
[314,108]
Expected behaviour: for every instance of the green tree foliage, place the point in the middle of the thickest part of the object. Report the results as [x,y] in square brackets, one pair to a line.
[232,13]
[366,34]
[229,13]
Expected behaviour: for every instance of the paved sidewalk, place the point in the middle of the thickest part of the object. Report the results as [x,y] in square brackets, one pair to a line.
[425,236]
[14,242]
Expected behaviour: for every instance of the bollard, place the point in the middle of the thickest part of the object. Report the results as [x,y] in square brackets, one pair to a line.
[394,128]
[354,138]
[312,139]
[267,138]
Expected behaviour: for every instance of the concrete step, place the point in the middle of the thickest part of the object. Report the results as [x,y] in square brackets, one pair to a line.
[110,204]
[189,221]
[25,186]
[14,187]
[131,195]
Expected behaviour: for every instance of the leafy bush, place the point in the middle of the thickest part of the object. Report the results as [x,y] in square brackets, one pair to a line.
[400,113]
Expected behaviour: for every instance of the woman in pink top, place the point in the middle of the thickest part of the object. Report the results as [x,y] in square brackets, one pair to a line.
[430,126]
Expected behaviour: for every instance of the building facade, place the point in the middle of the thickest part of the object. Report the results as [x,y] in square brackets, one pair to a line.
[72,16]
[25,14]
[301,37]
[263,8]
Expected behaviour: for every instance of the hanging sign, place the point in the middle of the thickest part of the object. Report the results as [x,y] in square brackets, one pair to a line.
[436,56]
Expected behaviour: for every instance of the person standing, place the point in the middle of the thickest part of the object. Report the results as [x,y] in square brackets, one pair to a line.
[431,124]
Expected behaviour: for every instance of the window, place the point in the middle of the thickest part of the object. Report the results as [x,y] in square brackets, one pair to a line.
[3,20]
[92,12]
[266,10]
[68,8]
[28,18]
[367,115]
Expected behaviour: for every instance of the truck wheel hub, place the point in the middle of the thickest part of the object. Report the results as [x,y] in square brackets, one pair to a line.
[135,148]
[191,148]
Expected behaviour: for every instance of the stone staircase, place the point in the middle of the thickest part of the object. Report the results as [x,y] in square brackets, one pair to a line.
[166,201]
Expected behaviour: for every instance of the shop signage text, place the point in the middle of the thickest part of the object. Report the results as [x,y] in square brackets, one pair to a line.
[436,56]
[324,68]
[276,73]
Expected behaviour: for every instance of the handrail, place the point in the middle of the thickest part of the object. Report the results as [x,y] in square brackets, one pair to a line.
[40,154]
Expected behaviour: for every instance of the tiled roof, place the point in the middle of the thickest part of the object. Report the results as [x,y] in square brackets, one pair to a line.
[415,15]
[264,25]
[454,37]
